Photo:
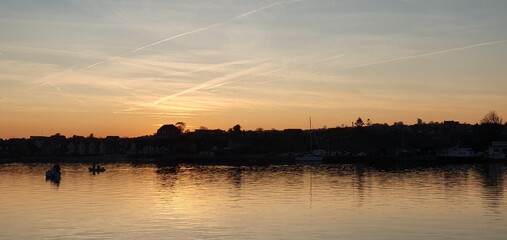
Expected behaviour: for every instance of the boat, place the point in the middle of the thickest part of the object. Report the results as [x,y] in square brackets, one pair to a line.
[457,154]
[96,169]
[314,156]
[498,151]
[54,173]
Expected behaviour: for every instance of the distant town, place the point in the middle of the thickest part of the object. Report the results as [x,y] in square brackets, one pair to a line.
[362,141]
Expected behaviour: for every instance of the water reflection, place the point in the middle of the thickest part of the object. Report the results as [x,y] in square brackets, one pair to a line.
[168,175]
[359,179]
[492,176]
[255,202]
[235,176]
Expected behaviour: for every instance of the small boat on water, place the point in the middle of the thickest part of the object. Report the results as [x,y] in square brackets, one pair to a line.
[96,169]
[54,173]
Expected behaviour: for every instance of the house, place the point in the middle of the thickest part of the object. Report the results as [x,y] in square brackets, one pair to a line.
[71,149]
[81,148]
[168,130]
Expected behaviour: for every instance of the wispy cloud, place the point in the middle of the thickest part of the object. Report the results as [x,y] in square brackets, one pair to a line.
[190,32]
[424,54]
[59,52]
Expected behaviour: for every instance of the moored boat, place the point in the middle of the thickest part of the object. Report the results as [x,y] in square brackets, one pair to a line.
[313,156]
[459,155]
[498,151]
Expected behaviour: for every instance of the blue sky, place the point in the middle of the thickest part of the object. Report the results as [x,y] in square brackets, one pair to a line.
[126,67]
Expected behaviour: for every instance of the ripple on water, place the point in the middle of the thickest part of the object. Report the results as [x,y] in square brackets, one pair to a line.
[259,202]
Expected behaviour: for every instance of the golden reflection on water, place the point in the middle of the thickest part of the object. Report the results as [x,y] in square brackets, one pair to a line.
[289,202]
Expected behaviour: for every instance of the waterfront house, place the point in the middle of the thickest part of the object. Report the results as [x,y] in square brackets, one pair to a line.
[71,149]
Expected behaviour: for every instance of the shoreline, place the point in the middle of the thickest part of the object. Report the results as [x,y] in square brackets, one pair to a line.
[245,160]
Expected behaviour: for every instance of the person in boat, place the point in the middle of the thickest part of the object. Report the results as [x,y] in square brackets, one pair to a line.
[56,167]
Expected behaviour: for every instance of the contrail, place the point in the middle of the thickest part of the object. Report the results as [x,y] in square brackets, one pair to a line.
[48,82]
[44,84]
[331,58]
[424,54]
[190,32]
[219,81]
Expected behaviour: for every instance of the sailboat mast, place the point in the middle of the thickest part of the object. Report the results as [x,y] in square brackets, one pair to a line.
[311,135]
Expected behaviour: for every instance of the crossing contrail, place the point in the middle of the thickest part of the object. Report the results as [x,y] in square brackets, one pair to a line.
[216,82]
[190,32]
[424,54]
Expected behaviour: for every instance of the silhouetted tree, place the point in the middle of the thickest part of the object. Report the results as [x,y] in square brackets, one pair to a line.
[492,118]
[399,123]
[236,128]
[359,123]
[181,126]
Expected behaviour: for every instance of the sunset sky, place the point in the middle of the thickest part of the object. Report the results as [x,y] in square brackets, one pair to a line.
[126,67]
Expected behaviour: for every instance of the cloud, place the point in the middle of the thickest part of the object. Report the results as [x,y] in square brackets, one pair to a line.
[424,54]
[189,33]
[31,50]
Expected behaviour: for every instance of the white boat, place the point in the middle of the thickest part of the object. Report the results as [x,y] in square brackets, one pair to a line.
[498,151]
[314,156]
[459,155]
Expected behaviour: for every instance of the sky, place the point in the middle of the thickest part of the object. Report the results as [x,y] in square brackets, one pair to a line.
[124,68]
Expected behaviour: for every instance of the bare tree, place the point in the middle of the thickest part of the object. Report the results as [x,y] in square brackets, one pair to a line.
[492,118]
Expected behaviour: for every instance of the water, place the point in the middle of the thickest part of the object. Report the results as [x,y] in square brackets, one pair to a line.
[276,202]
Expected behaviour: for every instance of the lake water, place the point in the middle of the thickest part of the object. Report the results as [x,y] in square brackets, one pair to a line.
[276,202]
